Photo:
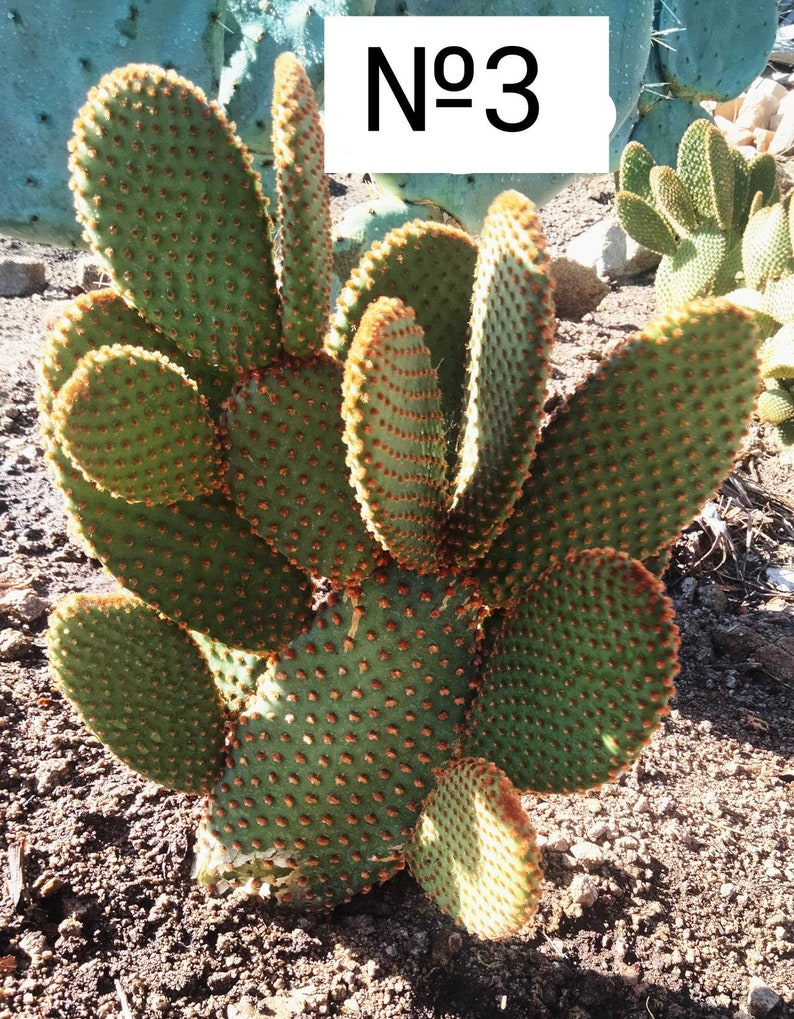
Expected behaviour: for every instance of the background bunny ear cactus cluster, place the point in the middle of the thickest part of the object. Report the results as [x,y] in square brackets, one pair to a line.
[694,215]
[223,445]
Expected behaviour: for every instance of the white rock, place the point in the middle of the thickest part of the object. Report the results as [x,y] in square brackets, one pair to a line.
[761,1000]
[607,248]
[21,277]
[756,110]
[729,110]
[782,579]
[786,104]
[766,87]
[588,854]
[784,135]
[583,890]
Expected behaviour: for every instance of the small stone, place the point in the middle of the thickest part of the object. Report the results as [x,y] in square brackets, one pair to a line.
[588,854]
[713,597]
[607,248]
[21,277]
[70,928]
[22,606]
[558,844]
[583,890]
[14,646]
[761,999]
[577,290]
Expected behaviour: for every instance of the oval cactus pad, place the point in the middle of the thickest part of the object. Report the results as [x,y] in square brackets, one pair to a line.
[136,425]
[580,675]
[473,850]
[114,656]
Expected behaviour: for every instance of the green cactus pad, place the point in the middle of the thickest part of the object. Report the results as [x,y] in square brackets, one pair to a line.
[762,176]
[101,318]
[395,436]
[196,561]
[330,764]
[645,224]
[287,471]
[167,196]
[705,163]
[776,405]
[430,267]
[741,190]
[474,853]
[115,657]
[777,354]
[629,459]
[634,170]
[692,271]
[779,299]
[304,209]
[574,688]
[512,328]
[136,425]
[673,199]
[766,246]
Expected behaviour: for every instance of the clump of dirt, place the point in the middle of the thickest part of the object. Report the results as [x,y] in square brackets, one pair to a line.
[668,893]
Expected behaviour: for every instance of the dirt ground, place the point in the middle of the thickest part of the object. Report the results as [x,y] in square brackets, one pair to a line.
[669,893]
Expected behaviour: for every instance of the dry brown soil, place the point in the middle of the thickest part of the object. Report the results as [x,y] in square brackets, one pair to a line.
[686,878]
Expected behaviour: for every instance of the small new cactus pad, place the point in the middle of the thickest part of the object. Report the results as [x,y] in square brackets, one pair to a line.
[394,430]
[121,396]
[370,596]
[696,214]
[776,401]
[474,852]
[546,714]
[430,267]
[117,658]
[304,210]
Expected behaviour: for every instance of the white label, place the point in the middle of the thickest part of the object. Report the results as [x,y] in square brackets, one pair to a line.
[467,95]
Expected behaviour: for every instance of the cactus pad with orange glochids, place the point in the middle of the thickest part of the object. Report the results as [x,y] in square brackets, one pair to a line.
[400,597]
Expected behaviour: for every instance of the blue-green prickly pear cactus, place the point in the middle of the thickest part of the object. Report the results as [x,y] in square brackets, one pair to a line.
[663,59]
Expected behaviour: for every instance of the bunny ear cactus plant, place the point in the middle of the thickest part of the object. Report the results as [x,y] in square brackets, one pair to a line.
[223,447]
[695,215]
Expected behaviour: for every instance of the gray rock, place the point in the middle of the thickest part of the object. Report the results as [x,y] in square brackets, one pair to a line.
[22,605]
[14,646]
[761,999]
[607,248]
[21,277]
